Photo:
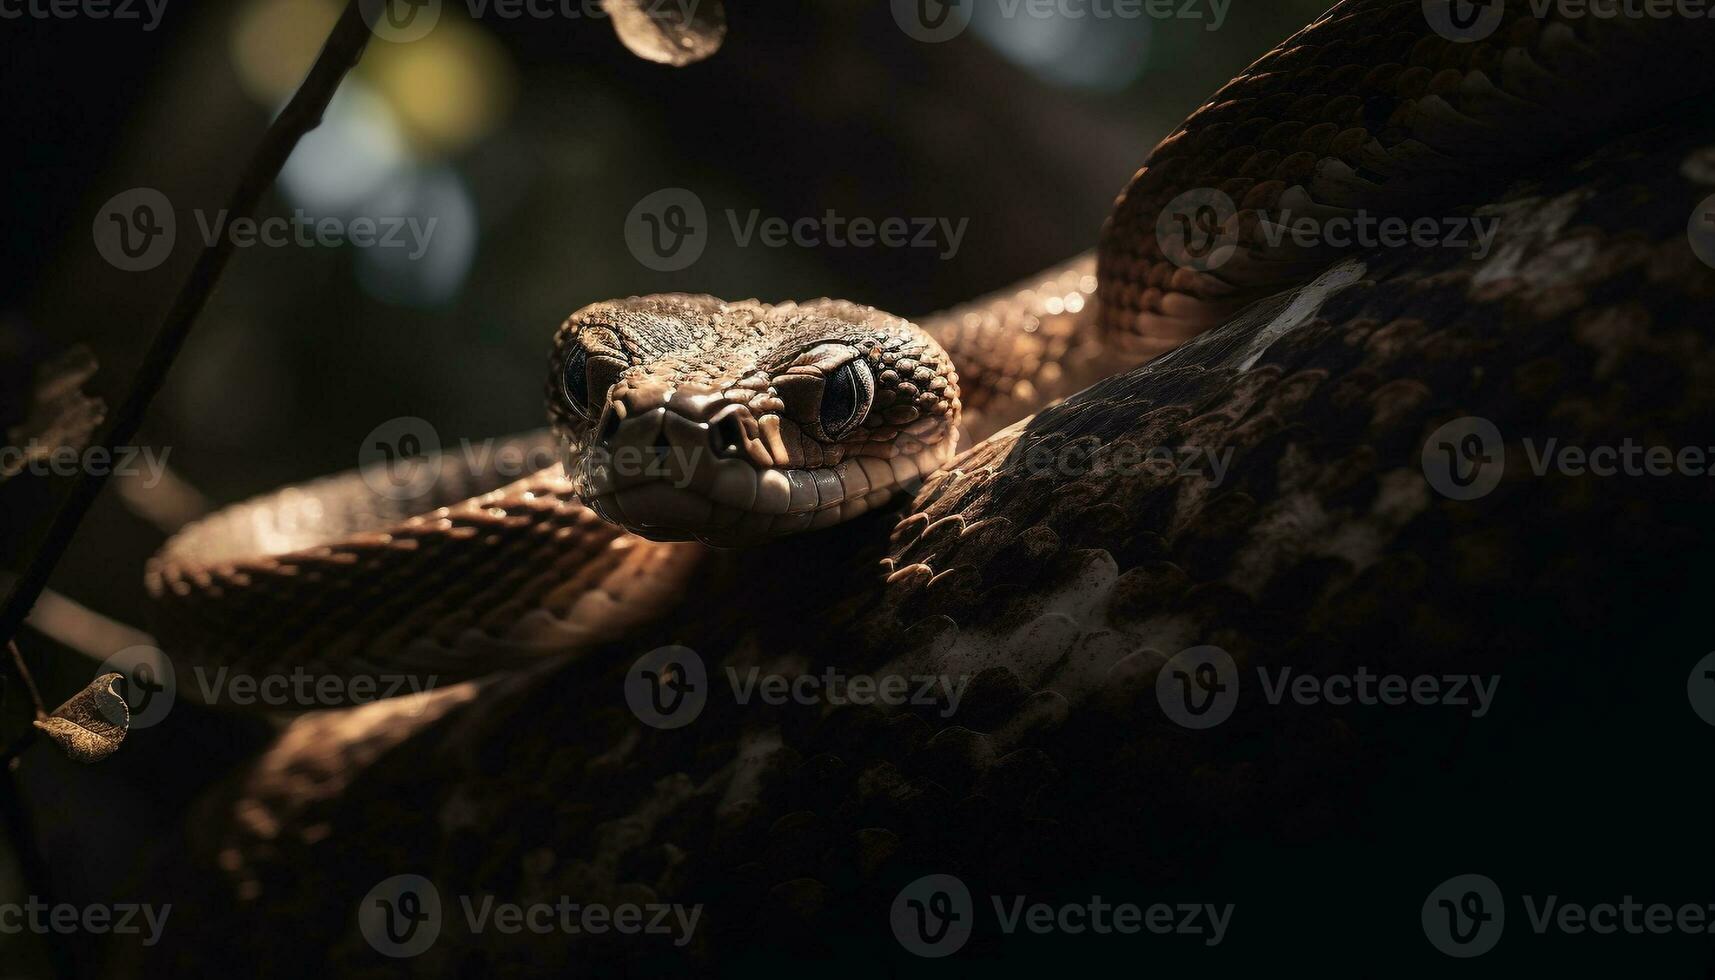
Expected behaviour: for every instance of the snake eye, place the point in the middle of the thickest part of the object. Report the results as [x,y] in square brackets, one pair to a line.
[846,397]
[575,381]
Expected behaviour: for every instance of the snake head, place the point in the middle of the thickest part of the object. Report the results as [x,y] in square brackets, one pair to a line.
[731,423]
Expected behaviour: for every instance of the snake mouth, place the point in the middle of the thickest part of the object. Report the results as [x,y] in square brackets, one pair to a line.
[667,477]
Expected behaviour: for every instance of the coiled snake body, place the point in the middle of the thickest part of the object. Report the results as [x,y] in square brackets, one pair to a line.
[1059,590]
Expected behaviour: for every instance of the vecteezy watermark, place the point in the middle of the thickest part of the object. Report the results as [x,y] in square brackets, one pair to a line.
[300,689]
[147,11]
[402,459]
[934,21]
[1465,915]
[940,691]
[1201,230]
[668,688]
[403,21]
[934,915]
[121,461]
[668,230]
[1090,455]
[1465,458]
[1701,231]
[403,916]
[150,686]
[135,230]
[121,919]
[1465,21]
[1199,688]
[1700,688]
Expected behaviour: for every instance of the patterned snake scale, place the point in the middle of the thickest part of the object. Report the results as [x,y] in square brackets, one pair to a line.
[1059,591]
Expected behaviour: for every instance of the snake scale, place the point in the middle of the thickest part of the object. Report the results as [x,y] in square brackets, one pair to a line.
[830,430]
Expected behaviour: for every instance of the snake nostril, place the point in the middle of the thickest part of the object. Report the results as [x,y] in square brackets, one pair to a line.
[727,436]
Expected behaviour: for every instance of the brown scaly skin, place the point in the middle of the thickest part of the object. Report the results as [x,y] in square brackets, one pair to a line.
[1323,548]
[1368,109]
[367,585]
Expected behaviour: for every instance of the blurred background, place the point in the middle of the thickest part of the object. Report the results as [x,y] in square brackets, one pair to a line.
[527,141]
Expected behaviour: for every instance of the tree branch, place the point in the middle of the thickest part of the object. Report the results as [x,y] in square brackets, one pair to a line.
[344,46]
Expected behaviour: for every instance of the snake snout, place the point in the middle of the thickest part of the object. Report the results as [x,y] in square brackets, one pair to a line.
[671,462]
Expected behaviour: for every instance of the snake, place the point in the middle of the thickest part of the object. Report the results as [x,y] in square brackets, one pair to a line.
[820,485]
[687,422]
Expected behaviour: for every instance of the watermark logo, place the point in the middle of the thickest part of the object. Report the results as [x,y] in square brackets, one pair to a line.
[1701,231]
[403,459]
[1464,916]
[401,21]
[129,462]
[135,230]
[1198,688]
[933,916]
[400,458]
[122,919]
[147,11]
[1464,21]
[1201,230]
[1370,688]
[1196,230]
[300,688]
[668,687]
[1700,688]
[941,691]
[401,917]
[668,230]
[150,684]
[1465,458]
[933,21]
[1092,456]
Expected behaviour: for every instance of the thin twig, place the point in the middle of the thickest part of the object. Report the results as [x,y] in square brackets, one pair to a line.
[29,682]
[11,750]
[304,113]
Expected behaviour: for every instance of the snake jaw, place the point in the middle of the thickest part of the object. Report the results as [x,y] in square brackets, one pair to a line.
[665,475]
[736,423]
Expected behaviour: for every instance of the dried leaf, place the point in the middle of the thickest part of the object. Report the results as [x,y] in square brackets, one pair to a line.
[671,32]
[91,726]
[60,413]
